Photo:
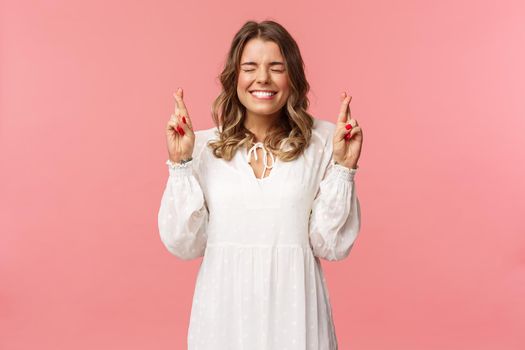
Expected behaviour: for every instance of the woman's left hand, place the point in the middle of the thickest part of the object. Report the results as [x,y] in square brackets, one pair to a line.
[348,136]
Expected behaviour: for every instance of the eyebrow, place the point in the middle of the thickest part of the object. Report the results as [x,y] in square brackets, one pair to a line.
[274,63]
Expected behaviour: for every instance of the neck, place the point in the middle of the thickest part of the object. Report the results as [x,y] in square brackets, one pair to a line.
[260,124]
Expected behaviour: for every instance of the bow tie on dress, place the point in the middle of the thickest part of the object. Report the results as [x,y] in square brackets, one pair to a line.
[265,157]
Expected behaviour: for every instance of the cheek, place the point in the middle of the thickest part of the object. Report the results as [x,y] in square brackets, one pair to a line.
[284,87]
[241,88]
[243,82]
[283,83]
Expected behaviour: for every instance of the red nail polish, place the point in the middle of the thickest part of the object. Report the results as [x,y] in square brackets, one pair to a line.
[347,136]
[184,119]
[348,126]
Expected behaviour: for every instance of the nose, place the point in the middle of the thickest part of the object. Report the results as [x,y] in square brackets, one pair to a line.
[262,75]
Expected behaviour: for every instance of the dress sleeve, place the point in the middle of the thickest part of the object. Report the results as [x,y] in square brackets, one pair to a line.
[183,214]
[335,218]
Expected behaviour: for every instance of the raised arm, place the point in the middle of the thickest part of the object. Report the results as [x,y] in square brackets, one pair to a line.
[335,219]
[183,213]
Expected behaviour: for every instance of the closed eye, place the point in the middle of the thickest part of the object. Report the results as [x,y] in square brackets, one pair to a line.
[273,70]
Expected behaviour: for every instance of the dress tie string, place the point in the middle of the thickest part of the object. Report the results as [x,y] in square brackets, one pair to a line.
[265,157]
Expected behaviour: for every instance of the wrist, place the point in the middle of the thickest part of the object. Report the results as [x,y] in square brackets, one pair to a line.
[352,165]
[182,158]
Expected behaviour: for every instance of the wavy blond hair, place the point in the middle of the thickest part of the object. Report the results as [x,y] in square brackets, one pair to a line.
[293,128]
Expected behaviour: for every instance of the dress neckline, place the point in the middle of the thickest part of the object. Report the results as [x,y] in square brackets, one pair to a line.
[252,153]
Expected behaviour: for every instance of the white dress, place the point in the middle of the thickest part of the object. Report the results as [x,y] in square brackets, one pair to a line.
[260,284]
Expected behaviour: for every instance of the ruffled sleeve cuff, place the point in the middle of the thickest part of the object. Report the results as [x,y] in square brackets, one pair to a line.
[179,170]
[344,173]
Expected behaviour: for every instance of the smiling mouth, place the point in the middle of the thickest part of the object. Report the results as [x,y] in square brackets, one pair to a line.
[263,95]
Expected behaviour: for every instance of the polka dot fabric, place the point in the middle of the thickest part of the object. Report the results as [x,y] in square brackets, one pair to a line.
[260,284]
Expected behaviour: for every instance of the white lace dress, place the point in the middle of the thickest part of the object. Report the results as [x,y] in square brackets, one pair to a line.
[260,284]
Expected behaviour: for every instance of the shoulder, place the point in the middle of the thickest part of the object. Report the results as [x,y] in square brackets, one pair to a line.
[204,135]
[323,131]
[201,139]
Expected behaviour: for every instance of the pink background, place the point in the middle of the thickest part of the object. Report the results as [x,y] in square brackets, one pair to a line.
[86,91]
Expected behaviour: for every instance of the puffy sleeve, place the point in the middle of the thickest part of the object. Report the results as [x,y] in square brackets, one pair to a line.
[183,213]
[335,219]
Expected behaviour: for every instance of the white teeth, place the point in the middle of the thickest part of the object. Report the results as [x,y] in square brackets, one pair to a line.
[263,94]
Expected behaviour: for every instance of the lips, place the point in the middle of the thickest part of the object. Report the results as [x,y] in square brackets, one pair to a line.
[263,96]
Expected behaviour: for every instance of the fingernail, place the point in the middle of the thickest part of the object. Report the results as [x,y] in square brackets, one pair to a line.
[179,130]
[348,126]
[184,120]
[347,136]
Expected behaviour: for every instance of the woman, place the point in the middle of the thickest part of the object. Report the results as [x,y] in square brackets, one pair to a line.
[262,197]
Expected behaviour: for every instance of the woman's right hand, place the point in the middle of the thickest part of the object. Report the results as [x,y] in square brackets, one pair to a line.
[179,132]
